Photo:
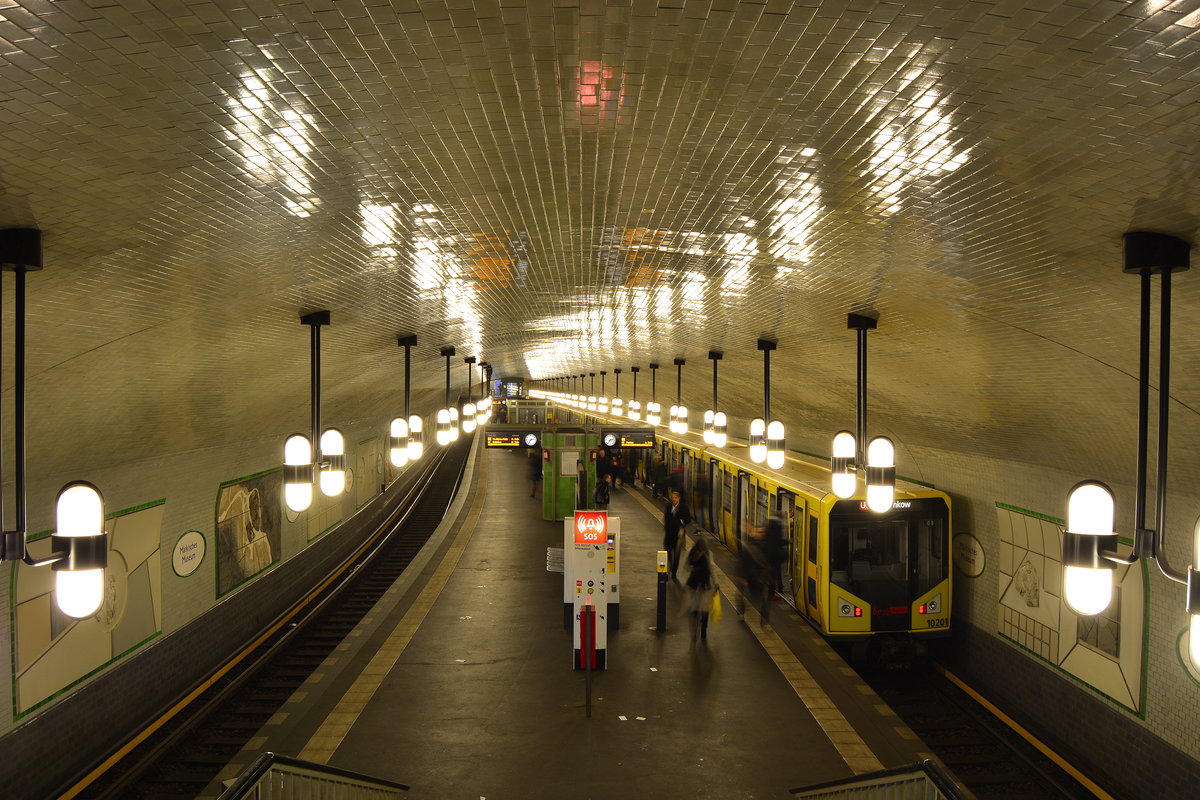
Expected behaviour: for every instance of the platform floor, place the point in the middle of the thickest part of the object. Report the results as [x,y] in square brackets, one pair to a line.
[459,683]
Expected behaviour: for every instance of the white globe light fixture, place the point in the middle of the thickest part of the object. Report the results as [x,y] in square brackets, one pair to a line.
[298,472]
[79,576]
[775,444]
[758,440]
[1087,576]
[398,442]
[333,463]
[844,480]
[881,474]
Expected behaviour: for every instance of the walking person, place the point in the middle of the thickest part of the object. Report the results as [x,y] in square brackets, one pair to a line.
[658,477]
[603,492]
[535,470]
[700,586]
[675,519]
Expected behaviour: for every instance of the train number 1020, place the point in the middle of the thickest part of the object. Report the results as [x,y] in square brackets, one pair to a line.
[937,623]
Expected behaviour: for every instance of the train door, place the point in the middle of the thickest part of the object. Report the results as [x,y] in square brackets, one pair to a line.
[743,509]
[727,534]
[811,567]
[714,496]
[792,529]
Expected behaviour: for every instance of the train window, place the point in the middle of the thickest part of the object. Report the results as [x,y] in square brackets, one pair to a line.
[889,559]
[764,499]
[812,539]
[727,495]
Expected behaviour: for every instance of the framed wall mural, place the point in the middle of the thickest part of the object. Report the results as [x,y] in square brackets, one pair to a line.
[1105,651]
[52,651]
[248,524]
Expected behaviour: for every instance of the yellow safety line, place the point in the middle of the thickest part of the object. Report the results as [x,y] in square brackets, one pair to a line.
[1084,780]
[329,736]
[845,739]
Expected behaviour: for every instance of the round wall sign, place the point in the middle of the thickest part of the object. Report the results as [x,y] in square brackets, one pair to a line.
[188,553]
[968,555]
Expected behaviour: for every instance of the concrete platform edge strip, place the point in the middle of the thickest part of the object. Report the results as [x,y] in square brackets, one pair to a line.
[328,737]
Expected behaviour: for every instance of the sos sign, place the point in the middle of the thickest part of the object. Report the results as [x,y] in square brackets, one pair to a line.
[591,527]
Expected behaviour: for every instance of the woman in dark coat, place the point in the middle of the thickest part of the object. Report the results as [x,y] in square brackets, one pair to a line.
[700,586]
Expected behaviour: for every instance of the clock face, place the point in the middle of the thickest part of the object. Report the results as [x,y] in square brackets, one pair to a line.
[610,439]
[530,439]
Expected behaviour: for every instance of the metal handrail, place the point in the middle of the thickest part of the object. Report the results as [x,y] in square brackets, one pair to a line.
[273,763]
[938,775]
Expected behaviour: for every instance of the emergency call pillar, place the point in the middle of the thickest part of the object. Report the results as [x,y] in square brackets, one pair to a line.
[591,559]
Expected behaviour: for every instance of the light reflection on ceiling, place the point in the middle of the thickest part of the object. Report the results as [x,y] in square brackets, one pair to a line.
[274,140]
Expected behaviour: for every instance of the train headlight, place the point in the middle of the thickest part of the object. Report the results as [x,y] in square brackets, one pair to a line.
[847,609]
[931,606]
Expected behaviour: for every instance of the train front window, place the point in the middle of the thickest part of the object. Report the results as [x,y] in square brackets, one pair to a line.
[889,559]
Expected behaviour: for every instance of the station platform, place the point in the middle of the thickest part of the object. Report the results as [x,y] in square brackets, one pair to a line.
[459,682]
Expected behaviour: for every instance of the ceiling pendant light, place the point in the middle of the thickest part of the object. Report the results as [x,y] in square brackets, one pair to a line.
[79,545]
[1089,544]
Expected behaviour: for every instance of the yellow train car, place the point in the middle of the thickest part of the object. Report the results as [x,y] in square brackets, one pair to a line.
[883,580]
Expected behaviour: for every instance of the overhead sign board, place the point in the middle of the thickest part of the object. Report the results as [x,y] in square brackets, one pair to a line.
[507,438]
[634,438]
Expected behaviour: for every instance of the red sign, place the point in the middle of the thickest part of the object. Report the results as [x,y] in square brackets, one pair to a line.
[591,527]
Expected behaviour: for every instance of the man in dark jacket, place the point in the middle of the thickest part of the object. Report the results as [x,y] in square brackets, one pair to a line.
[675,519]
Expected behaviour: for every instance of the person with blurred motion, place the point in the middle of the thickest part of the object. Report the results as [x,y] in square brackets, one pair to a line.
[535,470]
[675,519]
[701,586]
[603,492]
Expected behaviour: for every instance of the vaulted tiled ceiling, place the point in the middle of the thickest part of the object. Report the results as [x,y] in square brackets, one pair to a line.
[562,187]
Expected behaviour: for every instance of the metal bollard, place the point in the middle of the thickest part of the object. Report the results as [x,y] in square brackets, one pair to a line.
[662,591]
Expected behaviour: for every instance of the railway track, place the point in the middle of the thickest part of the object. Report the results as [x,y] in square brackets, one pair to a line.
[182,758]
[987,757]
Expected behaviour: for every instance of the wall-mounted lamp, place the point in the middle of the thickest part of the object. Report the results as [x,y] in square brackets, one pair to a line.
[1089,544]
[635,408]
[716,428]
[878,463]
[653,409]
[300,468]
[767,438]
[678,422]
[79,545]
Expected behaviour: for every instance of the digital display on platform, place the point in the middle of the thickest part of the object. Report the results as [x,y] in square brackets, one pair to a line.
[636,439]
[502,438]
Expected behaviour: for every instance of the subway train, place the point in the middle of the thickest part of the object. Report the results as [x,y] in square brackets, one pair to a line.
[879,582]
